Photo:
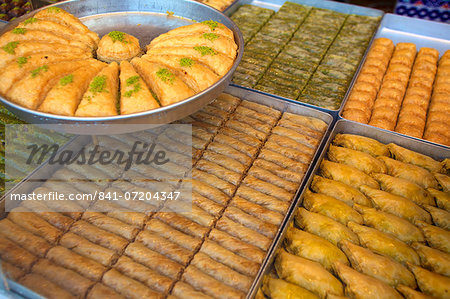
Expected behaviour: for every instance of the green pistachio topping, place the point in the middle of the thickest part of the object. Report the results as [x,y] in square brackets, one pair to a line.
[186,62]
[117,36]
[210,36]
[38,70]
[165,75]
[54,9]
[19,31]
[132,80]
[10,47]
[30,21]
[66,80]
[98,84]
[212,24]
[22,60]
[205,50]
[136,89]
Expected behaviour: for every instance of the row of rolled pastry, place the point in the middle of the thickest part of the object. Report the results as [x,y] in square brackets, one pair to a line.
[390,96]
[437,127]
[375,219]
[394,93]
[413,113]
[362,97]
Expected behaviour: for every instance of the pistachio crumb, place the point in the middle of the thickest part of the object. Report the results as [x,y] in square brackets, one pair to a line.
[210,36]
[165,75]
[66,80]
[38,70]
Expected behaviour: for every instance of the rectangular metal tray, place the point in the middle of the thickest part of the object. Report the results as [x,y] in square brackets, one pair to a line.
[422,33]
[331,5]
[244,94]
[435,151]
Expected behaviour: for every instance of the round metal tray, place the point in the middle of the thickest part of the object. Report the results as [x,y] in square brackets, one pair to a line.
[144,19]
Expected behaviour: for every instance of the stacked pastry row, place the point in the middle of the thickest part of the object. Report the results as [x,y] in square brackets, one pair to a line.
[394,88]
[53,52]
[309,57]
[250,19]
[374,224]
[248,161]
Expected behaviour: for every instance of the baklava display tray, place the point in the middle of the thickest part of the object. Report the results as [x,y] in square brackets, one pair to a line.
[325,4]
[402,29]
[434,151]
[28,184]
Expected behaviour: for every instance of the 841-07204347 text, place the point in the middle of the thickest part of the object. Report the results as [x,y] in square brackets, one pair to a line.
[98,195]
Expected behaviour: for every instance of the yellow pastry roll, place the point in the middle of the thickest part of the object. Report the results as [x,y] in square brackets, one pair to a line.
[202,27]
[60,16]
[433,259]
[100,99]
[64,97]
[409,293]
[314,248]
[338,190]
[361,286]
[361,143]
[360,160]
[306,274]
[346,174]
[197,76]
[28,48]
[396,205]
[442,198]
[331,207]
[430,283]
[165,84]
[436,237]
[388,223]
[9,39]
[65,32]
[218,42]
[378,266]
[408,156]
[278,289]
[384,244]
[30,91]
[440,217]
[405,188]
[25,65]
[324,227]
[134,93]
[218,62]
